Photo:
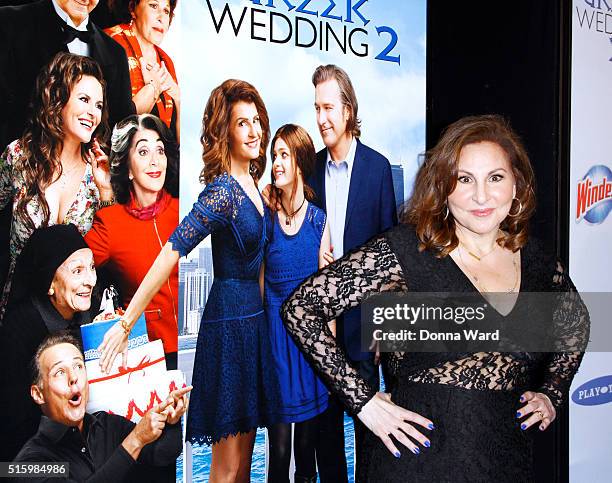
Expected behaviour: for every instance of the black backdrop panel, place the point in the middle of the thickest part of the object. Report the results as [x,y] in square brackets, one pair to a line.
[509,58]
[503,58]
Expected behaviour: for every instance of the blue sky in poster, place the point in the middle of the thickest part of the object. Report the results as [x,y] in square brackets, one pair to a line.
[391,96]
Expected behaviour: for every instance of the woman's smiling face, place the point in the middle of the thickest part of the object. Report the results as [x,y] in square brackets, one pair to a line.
[485,188]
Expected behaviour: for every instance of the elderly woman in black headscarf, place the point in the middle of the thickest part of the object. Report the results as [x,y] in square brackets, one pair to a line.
[54,279]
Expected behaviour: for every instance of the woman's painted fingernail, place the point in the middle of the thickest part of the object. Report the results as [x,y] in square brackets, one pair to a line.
[522,398]
[397,454]
[541,428]
[431,426]
[523,426]
[427,444]
[416,450]
[518,414]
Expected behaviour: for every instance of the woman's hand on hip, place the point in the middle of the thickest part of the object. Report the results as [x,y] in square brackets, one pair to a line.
[385,419]
[539,408]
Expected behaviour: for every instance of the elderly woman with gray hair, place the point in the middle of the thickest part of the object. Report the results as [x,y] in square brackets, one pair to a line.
[128,236]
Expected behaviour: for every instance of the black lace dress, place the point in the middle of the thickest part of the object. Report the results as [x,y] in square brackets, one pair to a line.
[472,398]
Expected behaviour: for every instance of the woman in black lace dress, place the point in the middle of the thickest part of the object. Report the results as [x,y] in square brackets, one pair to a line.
[465,231]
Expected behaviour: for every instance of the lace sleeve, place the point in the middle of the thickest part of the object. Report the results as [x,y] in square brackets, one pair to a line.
[6,174]
[327,294]
[572,323]
[213,210]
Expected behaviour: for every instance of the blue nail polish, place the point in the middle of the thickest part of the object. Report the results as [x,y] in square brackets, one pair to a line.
[431,426]
[523,426]
[522,398]
[427,444]
[416,450]
[518,414]
[397,454]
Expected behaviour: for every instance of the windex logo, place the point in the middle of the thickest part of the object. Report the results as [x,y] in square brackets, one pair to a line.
[594,196]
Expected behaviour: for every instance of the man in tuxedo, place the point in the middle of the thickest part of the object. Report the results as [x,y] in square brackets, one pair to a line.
[354,185]
[31,35]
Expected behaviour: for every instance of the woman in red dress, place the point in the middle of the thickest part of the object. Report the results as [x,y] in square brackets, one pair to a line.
[128,236]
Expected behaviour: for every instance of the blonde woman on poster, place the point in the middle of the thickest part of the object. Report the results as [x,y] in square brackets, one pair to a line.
[235,385]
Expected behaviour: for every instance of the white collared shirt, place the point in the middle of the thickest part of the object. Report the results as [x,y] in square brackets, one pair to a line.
[77,46]
[337,183]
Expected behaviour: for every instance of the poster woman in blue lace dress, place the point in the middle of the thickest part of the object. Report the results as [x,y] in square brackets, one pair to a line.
[298,244]
[466,231]
[235,385]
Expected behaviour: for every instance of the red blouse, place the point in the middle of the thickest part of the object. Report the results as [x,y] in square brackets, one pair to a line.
[123,35]
[130,246]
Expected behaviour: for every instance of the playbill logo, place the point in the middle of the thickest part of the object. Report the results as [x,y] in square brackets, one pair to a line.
[594,392]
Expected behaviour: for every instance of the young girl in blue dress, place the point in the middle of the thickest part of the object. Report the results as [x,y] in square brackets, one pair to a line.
[235,385]
[298,242]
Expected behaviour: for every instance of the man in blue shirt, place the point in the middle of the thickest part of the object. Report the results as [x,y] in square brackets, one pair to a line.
[354,185]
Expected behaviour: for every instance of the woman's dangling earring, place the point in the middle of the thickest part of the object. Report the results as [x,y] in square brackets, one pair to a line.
[519,210]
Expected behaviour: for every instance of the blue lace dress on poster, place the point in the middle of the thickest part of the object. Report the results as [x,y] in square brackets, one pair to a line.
[235,388]
[290,259]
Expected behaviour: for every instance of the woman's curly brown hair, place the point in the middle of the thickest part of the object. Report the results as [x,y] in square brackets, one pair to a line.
[436,179]
[43,137]
[216,124]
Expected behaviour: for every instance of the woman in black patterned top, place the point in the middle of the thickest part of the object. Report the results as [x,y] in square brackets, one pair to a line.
[465,231]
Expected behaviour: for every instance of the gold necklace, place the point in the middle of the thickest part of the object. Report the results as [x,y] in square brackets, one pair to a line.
[477,281]
[477,257]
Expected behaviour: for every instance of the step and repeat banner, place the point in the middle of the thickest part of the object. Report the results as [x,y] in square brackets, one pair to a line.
[591,229]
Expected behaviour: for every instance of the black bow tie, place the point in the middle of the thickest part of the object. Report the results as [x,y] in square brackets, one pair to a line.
[71,33]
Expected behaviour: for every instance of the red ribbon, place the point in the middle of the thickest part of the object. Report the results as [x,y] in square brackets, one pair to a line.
[145,362]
